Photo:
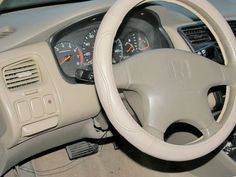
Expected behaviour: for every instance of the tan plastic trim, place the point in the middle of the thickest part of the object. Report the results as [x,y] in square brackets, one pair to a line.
[73,102]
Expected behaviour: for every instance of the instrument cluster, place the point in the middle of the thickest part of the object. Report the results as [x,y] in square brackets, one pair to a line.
[73,47]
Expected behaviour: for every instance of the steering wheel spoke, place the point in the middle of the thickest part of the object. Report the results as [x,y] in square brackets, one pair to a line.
[121,75]
[210,74]
[229,74]
[163,110]
[167,66]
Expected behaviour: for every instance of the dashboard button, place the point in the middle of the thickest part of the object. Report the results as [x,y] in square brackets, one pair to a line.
[49,104]
[23,111]
[37,108]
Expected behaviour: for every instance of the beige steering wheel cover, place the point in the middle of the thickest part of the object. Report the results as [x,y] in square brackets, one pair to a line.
[110,98]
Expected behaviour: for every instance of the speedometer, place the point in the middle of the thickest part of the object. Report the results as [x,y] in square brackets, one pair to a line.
[117,54]
[88,46]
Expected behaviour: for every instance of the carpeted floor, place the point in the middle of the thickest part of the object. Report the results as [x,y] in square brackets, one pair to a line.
[106,163]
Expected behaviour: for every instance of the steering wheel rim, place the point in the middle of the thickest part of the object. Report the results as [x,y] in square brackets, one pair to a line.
[118,115]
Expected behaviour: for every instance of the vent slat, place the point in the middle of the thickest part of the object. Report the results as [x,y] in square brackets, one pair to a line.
[13,76]
[10,81]
[20,70]
[21,66]
[28,81]
[25,63]
[199,34]
[21,74]
[196,34]
[22,85]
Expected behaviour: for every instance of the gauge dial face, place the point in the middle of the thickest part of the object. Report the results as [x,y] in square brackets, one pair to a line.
[88,46]
[135,42]
[117,54]
[143,43]
[130,44]
[69,57]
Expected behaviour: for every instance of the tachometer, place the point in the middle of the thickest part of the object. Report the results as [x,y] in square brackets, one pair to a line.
[69,57]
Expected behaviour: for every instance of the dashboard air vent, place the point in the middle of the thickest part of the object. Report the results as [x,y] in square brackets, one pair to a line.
[196,34]
[21,74]
[232,24]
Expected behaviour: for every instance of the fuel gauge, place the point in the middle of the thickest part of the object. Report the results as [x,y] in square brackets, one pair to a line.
[143,43]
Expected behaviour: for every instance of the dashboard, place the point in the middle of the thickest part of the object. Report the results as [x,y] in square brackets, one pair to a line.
[73,46]
[59,41]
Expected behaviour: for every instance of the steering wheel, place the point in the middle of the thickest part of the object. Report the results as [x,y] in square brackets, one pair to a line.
[173,86]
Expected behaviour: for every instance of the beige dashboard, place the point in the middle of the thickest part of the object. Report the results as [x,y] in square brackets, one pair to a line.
[49,103]
[44,107]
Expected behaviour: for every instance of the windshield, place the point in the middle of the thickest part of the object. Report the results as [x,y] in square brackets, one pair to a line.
[11,5]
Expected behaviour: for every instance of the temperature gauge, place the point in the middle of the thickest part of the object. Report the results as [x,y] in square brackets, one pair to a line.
[135,42]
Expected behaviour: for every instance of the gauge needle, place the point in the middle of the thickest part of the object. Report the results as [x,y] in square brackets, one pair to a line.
[143,49]
[129,49]
[81,57]
[65,59]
